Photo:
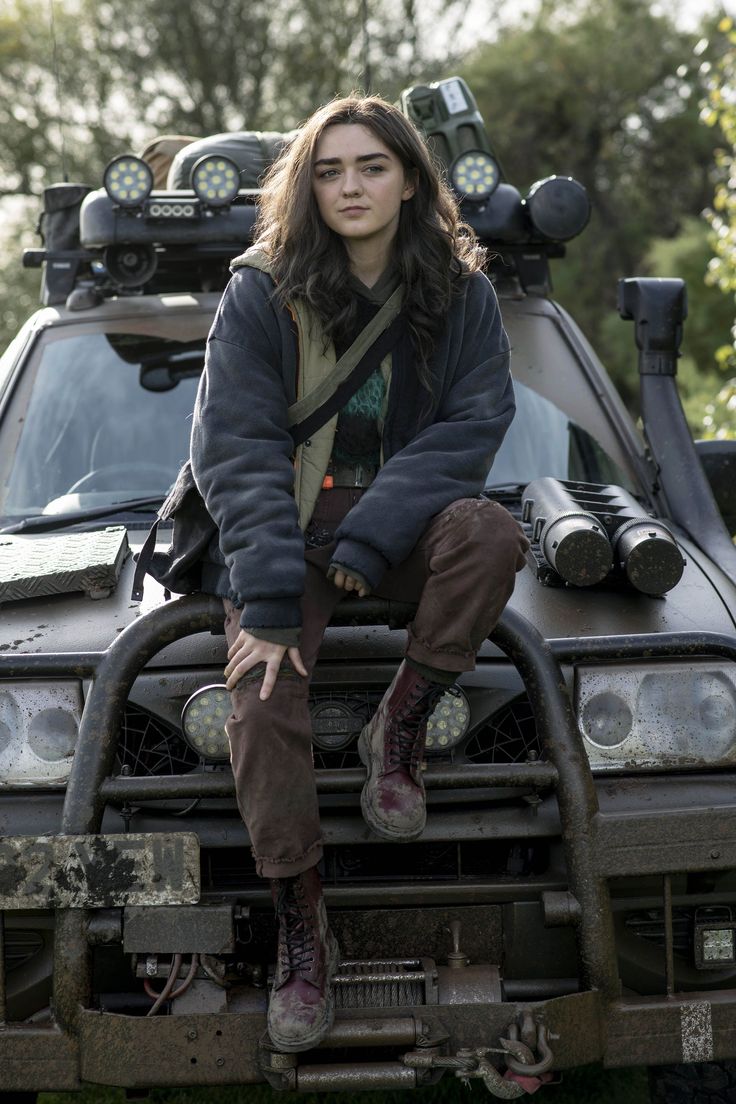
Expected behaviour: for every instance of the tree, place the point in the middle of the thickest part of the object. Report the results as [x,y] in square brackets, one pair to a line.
[719,111]
[83,80]
[607,92]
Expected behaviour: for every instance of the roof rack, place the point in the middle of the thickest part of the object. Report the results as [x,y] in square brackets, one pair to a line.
[127,238]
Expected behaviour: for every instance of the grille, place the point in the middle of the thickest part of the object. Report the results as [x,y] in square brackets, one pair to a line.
[20,947]
[649,925]
[151,746]
[233,869]
[510,736]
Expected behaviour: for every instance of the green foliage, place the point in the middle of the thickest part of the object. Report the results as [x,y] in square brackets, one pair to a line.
[83,80]
[606,92]
[719,111]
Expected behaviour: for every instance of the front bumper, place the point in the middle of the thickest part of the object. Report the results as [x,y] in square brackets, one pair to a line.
[362,1052]
[401,1045]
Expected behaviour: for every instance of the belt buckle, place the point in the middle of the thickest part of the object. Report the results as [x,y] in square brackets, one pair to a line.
[358,475]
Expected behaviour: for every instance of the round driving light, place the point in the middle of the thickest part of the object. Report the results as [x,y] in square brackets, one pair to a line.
[203,722]
[128,181]
[558,207]
[475,174]
[216,180]
[606,719]
[448,723]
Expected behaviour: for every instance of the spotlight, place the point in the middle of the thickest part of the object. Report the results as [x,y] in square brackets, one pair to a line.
[216,180]
[128,181]
[475,174]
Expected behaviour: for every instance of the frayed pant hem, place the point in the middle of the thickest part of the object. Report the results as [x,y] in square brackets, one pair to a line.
[289,867]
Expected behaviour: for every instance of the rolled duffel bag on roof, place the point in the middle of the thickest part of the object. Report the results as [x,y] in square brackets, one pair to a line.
[160,152]
[253,151]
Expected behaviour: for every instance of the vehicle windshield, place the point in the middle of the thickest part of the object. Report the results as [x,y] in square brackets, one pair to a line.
[100,418]
[543,440]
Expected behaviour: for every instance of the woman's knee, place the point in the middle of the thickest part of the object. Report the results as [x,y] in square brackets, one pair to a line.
[483,528]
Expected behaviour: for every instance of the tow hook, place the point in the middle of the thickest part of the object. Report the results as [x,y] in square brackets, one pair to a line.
[526,1052]
[520,1057]
[467,1064]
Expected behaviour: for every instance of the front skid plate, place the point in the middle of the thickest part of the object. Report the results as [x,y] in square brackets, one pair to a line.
[99,871]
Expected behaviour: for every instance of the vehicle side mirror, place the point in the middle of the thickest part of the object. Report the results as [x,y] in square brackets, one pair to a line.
[719,464]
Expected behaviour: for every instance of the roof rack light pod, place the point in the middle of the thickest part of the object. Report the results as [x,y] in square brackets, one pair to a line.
[475,175]
[128,181]
[558,207]
[215,180]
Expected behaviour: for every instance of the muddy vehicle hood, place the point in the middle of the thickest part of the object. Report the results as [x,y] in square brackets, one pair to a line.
[76,623]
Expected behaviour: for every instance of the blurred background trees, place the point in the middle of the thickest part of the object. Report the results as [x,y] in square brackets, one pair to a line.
[613,92]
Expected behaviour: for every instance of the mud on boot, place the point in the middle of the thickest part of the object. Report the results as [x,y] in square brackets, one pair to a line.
[301,1008]
[392,748]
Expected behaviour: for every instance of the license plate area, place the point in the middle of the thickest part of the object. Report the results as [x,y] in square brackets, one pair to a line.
[96,871]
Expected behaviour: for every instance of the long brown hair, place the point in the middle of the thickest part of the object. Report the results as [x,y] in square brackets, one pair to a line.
[433,248]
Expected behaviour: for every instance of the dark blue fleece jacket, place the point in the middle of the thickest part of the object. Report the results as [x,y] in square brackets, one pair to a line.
[241,451]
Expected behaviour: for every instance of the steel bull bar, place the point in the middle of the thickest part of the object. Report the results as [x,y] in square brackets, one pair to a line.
[83,1044]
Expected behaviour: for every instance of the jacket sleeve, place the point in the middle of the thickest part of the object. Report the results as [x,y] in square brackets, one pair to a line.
[241,457]
[448,459]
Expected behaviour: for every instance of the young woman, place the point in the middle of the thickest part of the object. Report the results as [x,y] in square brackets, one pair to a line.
[382,500]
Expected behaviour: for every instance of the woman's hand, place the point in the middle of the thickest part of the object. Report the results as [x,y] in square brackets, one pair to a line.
[348,582]
[248,650]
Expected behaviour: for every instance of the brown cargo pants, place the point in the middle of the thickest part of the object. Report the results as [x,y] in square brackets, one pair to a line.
[461,574]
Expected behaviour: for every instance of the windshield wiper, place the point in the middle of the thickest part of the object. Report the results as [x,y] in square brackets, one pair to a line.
[40,523]
[505,492]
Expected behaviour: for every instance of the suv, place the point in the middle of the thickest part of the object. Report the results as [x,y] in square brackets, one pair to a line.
[573,897]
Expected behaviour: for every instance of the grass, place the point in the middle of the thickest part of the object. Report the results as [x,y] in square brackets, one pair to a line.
[587,1085]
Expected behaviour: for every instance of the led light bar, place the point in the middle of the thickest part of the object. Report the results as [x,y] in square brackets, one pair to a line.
[172,209]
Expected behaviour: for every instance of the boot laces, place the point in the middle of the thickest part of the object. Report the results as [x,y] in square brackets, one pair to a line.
[406,732]
[297,944]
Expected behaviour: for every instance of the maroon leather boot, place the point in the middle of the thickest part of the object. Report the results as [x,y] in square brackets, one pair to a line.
[301,1008]
[392,748]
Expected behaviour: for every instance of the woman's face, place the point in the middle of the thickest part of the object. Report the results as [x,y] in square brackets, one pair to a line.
[359,185]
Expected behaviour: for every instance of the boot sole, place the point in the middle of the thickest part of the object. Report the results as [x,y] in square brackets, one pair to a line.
[309,1041]
[380,827]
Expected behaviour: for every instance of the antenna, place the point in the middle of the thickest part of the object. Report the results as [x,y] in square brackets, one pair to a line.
[57,80]
[367,78]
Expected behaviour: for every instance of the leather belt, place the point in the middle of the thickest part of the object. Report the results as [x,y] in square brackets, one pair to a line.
[351,475]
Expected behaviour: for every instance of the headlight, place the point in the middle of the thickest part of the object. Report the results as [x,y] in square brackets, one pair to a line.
[475,174]
[658,714]
[216,180]
[448,723]
[203,722]
[128,181]
[39,723]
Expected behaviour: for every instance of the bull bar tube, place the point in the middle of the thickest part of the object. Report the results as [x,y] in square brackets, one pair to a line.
[596,1024]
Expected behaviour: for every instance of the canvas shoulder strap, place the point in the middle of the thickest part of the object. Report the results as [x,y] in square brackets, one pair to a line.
[318,397]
